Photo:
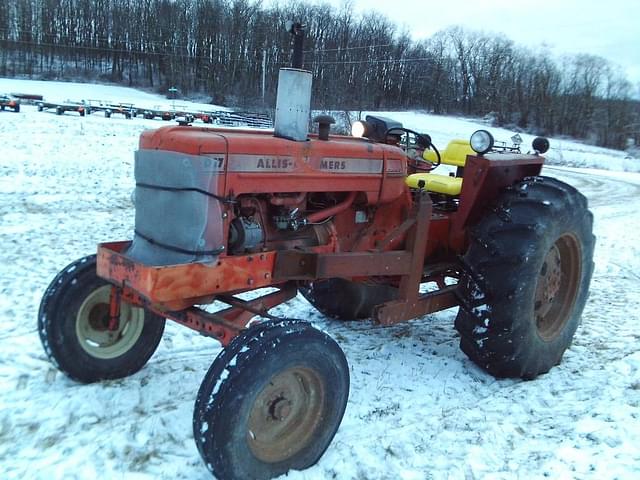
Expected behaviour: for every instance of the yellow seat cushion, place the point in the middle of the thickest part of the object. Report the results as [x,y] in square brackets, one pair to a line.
[436,183]
[455,154]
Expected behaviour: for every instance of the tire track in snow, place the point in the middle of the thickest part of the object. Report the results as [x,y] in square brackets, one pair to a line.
[601,190]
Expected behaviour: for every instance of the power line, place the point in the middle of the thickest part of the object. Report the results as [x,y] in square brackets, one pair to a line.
[341,49]
[105,49]
[129,39]
[376,61]
[188,56]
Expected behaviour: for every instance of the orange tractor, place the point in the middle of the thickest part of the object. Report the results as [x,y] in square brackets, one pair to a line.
[360,226]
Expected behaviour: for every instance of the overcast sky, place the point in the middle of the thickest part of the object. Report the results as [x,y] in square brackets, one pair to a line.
[608,28]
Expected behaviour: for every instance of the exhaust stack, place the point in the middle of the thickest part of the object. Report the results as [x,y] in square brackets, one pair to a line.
[293,101]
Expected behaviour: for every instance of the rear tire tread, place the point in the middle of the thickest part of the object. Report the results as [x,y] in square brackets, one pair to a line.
[495,320]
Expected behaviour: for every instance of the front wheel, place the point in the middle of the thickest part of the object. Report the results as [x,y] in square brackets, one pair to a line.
[73,322]
[272,401]
[526,279]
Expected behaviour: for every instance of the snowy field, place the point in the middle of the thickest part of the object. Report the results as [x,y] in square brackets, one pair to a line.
[64,92]
[418,409]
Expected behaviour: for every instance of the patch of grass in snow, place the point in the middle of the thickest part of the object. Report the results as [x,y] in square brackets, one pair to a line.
[389,451]
[380,412]
[5,428]
[49,441]
[139,460]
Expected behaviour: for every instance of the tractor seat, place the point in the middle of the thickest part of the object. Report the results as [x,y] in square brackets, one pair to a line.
[456,155]
[436,183]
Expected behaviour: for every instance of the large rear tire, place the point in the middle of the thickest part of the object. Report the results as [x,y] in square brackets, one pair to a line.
[73,325]
[272,401]
[346,300]
[526,279]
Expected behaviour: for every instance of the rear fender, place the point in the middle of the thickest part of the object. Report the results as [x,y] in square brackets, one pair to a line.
[485,177]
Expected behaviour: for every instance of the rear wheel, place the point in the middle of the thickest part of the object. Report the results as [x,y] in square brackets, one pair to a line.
[73,323]
[272,401]
[526,281]
[346,300]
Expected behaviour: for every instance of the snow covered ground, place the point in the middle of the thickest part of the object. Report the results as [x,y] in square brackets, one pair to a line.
[419,409]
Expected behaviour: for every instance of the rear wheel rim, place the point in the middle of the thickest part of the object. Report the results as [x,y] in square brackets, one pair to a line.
[92,330]
[557,286]
[286,414]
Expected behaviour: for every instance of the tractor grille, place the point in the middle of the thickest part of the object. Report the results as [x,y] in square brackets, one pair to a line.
[178,213]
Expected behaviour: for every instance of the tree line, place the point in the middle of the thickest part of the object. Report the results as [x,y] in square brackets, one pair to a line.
[225,48]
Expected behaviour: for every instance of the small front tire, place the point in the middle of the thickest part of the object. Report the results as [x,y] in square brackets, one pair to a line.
[73,326]
[272,401]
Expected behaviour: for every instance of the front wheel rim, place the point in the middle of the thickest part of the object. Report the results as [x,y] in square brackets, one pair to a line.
[557,286]
[286,414]
[92,330]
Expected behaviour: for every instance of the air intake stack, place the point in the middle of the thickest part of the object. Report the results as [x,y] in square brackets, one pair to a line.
[293,102]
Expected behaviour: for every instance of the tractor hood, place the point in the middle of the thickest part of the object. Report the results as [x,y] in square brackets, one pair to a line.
[187,177]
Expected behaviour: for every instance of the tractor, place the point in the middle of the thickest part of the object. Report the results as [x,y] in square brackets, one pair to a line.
[361,226]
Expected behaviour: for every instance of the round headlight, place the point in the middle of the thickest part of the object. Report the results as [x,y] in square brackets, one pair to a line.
[540,144]
[481,141]
[359,129]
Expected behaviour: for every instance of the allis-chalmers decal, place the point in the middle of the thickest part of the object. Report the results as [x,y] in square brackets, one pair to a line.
[327,164]
[269,163]
[350,165]
[260,163]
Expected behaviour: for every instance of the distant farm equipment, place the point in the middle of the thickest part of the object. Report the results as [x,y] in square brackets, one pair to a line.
[125,109]
[61,108]
[10,102]
[182,113]
[27,97]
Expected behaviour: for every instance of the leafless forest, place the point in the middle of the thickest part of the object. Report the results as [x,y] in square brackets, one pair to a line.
[224,48]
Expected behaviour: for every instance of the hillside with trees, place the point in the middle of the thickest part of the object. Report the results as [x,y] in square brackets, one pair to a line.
[225,48]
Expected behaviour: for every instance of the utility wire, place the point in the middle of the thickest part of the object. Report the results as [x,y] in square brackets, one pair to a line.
[341,49]
[107,50]
[132,39]
[376,61]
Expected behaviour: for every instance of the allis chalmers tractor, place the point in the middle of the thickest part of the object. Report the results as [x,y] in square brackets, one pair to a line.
[357,225]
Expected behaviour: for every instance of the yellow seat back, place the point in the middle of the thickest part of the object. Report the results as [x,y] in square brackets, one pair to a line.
[455,154]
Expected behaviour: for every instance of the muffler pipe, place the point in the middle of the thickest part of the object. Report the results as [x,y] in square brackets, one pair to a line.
[293,101]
